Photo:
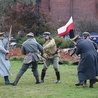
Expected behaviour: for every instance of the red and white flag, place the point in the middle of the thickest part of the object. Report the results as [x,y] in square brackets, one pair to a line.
[66,28]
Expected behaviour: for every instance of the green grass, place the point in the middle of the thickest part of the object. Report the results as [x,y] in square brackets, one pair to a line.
[27,88]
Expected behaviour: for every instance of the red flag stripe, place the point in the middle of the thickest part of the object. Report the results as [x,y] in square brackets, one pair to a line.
[70,27]
[65,29]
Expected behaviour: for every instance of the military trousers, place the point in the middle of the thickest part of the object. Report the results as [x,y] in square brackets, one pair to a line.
[32,65]
[50,61]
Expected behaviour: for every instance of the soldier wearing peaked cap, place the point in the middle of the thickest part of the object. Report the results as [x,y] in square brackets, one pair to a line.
[30,34]
[51,55]
[4,64]
[46,33]
[86,35]
[30,48]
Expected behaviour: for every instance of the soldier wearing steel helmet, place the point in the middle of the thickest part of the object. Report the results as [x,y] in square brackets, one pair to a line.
[51,55]
[30,48]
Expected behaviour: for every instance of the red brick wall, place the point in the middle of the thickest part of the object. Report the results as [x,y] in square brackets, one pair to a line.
[84,9]
[62,9]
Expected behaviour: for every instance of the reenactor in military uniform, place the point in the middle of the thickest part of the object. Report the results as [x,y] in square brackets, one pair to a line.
[86,35]
[51,55]
[31,49]
[87,67]
[4,63]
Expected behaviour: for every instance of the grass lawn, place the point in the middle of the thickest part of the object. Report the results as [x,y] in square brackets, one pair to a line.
[27,88]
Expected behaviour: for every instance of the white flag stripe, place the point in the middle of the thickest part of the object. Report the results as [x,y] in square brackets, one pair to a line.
[63,28]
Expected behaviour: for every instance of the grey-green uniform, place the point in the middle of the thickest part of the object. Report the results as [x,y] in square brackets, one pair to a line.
[31,49]
[51,55]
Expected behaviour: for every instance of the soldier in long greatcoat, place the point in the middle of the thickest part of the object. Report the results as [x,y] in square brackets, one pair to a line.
[87,68]
[4,64]
[86,35]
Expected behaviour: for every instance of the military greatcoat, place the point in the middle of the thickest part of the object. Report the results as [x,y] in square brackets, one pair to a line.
[4,64]
[88,67]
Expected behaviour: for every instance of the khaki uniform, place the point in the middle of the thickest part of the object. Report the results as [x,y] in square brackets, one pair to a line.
[50,52]
[51,55]
[50,48]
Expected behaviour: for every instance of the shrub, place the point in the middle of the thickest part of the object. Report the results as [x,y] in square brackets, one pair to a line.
[40,40]
[25,17]
[60,42]
[63,43]
[17,58]
[20,39]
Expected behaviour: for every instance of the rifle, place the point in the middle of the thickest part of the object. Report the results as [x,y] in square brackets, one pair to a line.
[7,56]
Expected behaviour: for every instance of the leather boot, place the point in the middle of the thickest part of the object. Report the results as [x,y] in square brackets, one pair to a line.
[16,81]
[43,75]
[58,77]
[7,82]
[19,75]
[79,84]
[85,83]
[91,83]
[37,80]
[36,75]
